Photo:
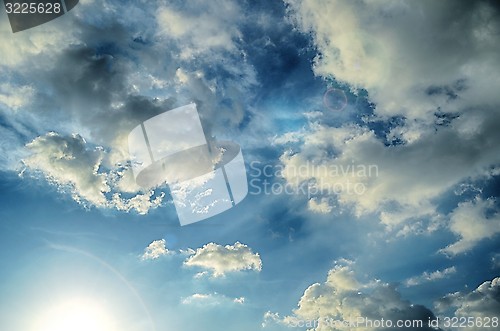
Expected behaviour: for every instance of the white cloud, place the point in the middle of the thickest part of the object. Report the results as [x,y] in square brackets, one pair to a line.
[342,298]
[240,300]
[484,301]
[10,154]
[155,250]
[188,251]
[21,48]
[320,206]
[430,276]
[470,223]
[397,50]
[102,93]
[221,260]
[211,299]
[415,59]
[412,175]
[202,34]
[205,27]
[271,318]
[69,163]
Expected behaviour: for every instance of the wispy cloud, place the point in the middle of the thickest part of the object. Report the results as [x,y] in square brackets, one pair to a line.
[211,299]
[430,276]
[15,97]
[320,206]
[484,301]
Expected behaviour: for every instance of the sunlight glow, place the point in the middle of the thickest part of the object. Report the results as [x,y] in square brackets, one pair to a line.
[75,315]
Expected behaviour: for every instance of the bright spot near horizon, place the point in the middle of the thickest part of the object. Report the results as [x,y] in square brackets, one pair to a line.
[75,315]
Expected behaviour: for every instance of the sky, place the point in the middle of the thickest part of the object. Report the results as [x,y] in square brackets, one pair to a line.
[369,133]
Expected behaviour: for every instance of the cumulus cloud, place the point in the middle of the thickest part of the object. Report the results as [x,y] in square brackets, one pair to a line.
[411,57]
[10,154]
[484,301]
[469,221]
[155,250]
[430,276]
[20,49]
[345,299]
[101,78]
[352,163]
[74,166]
[201,26]
[211,299]
[221,260]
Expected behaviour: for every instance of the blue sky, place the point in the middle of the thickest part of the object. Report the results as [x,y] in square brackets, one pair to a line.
[314,92]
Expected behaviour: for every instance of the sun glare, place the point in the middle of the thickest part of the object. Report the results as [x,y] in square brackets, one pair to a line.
[75,315]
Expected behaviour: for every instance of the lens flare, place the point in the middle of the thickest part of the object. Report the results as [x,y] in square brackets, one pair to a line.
[335,99]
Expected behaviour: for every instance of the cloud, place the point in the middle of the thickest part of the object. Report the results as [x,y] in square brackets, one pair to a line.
[211,62]
[21,49]
[343,299]
[101,78]
[201,27]
[469,221]
[211,299]
[353,164]
[68,161]
[430,276]
[429,65]
[15,97]
[484,301]
[155,250]
[321,206]
[411,57]
[221,260]
[74,166]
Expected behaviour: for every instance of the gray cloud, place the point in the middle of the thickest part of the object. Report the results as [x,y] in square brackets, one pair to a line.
[155,250]
[430,64]
[100,78]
